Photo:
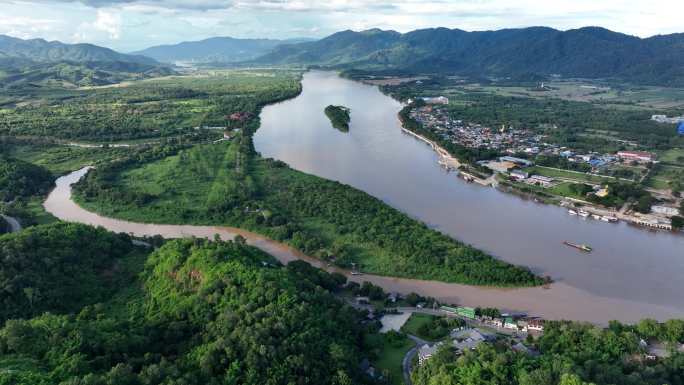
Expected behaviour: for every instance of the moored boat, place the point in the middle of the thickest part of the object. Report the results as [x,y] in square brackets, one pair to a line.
[582,247]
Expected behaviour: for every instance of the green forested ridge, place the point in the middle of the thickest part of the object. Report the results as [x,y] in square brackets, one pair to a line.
[569,354]
[589,52]
[214,50]
[200,313]
[40,50]
[227,183]
[19,179]
[58,268]
[20,74]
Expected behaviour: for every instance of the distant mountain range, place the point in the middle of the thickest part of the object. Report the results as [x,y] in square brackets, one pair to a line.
[22,73]
[39,50]
[215,50]
[39,63]
[590,52]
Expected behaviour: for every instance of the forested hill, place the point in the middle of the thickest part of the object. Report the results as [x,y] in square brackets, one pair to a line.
[39,50]
[590,52]
[196,312]
[214,50]
[21,179]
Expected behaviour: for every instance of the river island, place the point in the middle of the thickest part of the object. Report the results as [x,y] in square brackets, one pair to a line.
[339,117]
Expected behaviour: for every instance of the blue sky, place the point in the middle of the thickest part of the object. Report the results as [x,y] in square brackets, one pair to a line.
[128,25]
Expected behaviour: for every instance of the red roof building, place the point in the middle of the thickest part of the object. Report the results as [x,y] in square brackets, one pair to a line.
[639,156]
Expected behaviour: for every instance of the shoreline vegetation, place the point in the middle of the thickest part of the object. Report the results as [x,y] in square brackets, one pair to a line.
[339,117]
[230,184]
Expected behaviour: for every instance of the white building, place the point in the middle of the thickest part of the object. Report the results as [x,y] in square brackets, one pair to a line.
[437,100]
[426,352]
[540,180]
[665,210]
[665,119]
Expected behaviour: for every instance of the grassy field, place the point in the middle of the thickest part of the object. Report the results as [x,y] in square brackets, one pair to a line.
[665,177]
[391,355]
[415,322]
[675,156]
[576,176]
[617,97]
[64,159]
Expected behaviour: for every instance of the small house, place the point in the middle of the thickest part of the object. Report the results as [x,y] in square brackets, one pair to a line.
[426,352]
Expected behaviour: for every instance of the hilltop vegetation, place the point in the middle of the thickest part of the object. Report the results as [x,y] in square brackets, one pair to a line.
[528,52]
[50,268]
[19,179]
[197,312]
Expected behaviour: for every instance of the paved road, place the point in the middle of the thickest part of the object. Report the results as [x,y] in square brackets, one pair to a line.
[408,358]
[13,223]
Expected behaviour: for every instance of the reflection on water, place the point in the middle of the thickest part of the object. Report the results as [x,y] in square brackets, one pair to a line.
[375,156]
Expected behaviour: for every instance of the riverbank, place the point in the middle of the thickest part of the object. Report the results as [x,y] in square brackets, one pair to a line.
[559,301]
[544,193]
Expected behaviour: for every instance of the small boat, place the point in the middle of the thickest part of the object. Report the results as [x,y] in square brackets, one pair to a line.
[583,214]
[595,216]
[584,248]
[572,212]
[609,219]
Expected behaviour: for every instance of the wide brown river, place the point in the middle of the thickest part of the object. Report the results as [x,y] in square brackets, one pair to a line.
[632,273]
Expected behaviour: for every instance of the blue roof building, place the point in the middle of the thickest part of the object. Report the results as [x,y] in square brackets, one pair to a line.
[680,129]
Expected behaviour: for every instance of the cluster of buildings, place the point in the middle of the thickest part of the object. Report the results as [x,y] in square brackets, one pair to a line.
[665,119]
[504,139]
[464,339]
[678,120]
[510,322]
[513,141]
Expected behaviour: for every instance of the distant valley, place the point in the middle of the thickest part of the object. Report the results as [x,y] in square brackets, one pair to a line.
[215,50]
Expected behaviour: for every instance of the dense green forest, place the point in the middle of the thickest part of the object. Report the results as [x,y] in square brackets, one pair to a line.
[145,109]
[195,312]
[49,268]
[19,179]
[569,354]
[227,183]
[339,117]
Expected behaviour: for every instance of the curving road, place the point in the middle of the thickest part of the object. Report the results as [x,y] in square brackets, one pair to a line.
[560,301]
[13,223]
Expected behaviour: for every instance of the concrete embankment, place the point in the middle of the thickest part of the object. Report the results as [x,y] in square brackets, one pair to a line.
[444,157]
